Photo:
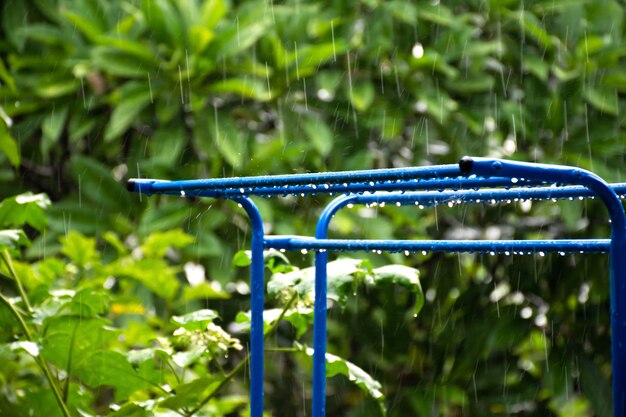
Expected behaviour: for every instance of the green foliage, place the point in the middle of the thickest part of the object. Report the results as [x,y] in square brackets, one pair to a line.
[338,366]
[93,92]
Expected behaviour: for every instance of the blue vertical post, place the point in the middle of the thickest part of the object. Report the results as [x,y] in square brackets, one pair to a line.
[617,288]
[257,290]
[319,310]
[319,333]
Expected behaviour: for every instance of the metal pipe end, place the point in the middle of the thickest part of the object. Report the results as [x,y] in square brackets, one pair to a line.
[130,185]
[465,165]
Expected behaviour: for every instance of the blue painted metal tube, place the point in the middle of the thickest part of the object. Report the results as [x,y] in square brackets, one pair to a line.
[482,196]
[567,175]
[348,177]
[144,186]
[181,188]
[508,247]
[257,291]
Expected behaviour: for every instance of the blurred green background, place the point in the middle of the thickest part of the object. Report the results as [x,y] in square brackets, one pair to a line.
[93,92]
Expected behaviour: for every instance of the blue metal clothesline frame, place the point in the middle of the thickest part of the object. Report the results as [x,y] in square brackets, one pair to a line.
[455,183]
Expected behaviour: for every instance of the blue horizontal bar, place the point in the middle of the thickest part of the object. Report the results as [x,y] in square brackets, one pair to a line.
[408,187]
[446,246]
[180,188]
[362,176]
[483,196]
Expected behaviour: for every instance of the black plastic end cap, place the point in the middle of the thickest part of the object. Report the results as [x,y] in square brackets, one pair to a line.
[465,165]
[130,185]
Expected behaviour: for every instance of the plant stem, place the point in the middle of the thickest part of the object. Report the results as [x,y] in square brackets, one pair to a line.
[18,316]
[244,362]
[6,257]
[40,362]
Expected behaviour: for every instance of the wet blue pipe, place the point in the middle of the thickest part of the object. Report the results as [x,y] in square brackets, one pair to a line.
[508,247]
[257,293]
[151,186]
[478,172]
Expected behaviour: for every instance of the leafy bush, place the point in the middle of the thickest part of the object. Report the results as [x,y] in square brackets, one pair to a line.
[97,349]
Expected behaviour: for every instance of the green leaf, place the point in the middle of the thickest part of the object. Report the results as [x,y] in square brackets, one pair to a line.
[212,12]
[167,144]
[403,276]
[188,357]
[10,24]
[481,84]
[537,66]
[80,249]
[114,240]
[8,145]
[52,127]
[361,94]
[157,243]
[242,258]
[342,275]
[226,137]
[320,135]
[12,238]
[191,393]
[125,113]
[339,366]
[43,33]
[87,27]
[164,21]
[301,318]
[154,274]
[109,368]
[438,14]
[134,409]
[97,185]
[204,291]
[24,209]
[533,27]
[245,87]
[6,77]
[595,387]
[50,89]
[403,11]
[604,100]
[163,217]
[70,340]
[122,62]
[198,320]
[238,38]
